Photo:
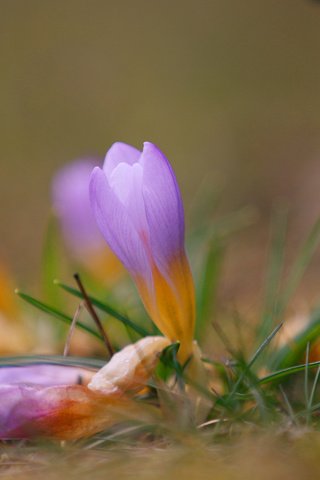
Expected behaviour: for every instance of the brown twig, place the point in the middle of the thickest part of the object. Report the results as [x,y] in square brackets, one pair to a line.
[93,314]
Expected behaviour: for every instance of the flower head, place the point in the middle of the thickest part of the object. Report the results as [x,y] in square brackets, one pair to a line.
[58,411]
[68,402]
[34,396]
[137,204]
[70,193]
[71,202]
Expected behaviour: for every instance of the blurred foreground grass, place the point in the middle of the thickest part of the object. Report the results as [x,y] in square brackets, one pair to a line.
[260,455]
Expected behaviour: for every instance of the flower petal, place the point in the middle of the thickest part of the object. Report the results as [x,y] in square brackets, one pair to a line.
[169,301]
[45,375]
[64,412]
[163,206]
[116,225]
[126,183]
[120,153]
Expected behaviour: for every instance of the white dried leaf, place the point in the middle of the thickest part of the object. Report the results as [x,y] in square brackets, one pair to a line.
[129,369]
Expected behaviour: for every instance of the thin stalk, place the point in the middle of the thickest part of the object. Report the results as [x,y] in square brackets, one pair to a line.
[93,314]
[71,330]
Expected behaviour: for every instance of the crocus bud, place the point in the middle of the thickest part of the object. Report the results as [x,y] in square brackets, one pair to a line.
[71,203]
[137,205]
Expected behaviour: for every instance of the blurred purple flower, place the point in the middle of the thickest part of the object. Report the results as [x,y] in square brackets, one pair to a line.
[71,202]
[70,193]
[138,207]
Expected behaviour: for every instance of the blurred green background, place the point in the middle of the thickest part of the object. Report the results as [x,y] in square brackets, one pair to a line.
[229,89]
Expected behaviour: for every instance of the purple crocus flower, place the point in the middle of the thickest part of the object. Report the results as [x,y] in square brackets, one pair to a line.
[58,411]
[137,205]
[34,397]
[69,402]
[71,202]
[70,192]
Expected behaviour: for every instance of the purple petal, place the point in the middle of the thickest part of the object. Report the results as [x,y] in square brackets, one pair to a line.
[117,226]
[163,206]
[20,404]
[62,411]
[120,153]
[45,375]
[126,183]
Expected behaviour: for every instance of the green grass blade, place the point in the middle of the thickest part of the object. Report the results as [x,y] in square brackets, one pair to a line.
[280,374]
[306,376]
[246,371]
[17,361]
[289,406]
[273,278]
[306,385]
[56,313]
[208,284]
[107,309]
[313,390]
[264,344]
